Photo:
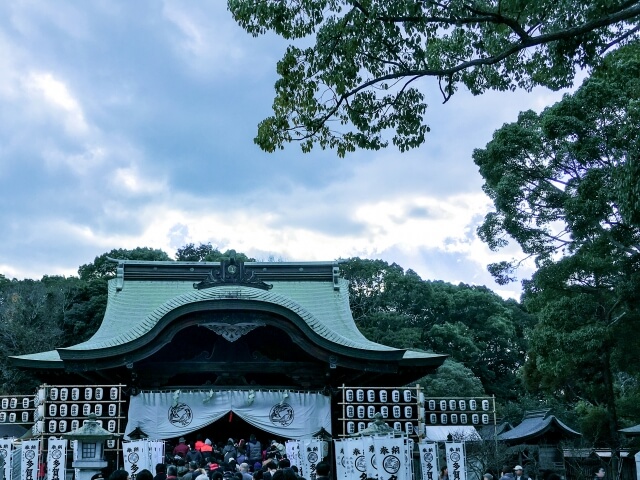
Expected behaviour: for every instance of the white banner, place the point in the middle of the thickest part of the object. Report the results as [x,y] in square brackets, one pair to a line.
[29,459]
[348,451]
[136,457]
[292,448]
[391,458]
[456,460]
[287,414]
[429,460]
[56,459]
[368,460]
[6,445]
[311,452]
[156,454]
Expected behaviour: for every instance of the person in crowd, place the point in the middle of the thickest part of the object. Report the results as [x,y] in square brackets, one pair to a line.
[258,475]
[192,473]
[281,474]
[600,474]
[322,471]
[199,443]
[229,451]
[182,448]
[487,476]
[194,455]
[269,469]
[161,472]
[254,450]
[206,450]
[242,452]
[144,474]
[172,472]
[119,475]
[506,473]
[295,470]
[519,473]
[444,474]
[243,468]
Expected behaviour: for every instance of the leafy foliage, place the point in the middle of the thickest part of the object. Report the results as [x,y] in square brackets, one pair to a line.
[207,253]
[360,79]
[102,267]
[477,328]
[555,180]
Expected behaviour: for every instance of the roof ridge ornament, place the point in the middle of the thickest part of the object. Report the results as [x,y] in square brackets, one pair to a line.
[232,272]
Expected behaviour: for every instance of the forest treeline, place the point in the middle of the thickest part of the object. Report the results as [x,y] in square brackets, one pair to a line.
[489,340]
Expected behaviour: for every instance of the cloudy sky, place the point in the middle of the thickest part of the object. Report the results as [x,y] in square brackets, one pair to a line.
[131,124]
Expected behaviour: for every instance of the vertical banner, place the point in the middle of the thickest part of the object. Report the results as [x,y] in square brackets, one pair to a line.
[6,445]
[369,459]
[429,460]
[456,460]
[391,458]
[408,458]
[156,454]
[29,460]
[312,452]
[340,462]
[56,459]
[136,457]
[348,451]
[293,454]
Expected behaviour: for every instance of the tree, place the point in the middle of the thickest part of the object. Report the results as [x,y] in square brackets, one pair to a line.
[368,57]
[31,318]
[102,267]
[452,379]
[477,328]
[207,253]
[555,182]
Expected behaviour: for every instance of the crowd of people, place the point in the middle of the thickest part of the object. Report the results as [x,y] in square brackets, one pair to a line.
[203,459]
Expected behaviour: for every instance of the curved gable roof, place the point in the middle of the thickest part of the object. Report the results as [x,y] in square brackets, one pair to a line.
[140,303]
[535,424]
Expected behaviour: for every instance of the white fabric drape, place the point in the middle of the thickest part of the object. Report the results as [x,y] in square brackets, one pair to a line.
[287,414]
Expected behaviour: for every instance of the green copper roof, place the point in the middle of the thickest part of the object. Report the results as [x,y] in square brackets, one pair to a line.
[145,292]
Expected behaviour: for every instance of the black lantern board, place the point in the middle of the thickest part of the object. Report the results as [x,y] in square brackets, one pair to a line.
[474,411]
[67,406]
[401,408]
[17,409]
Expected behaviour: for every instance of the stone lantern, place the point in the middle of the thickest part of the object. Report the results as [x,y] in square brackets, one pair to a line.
[88,454]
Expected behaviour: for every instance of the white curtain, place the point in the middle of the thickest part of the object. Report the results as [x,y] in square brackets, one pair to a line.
[284,413]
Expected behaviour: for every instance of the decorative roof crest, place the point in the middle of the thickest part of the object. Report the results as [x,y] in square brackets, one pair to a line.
[232,272]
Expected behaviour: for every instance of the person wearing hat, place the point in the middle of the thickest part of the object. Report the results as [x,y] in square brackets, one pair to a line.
[182,448]
[519,473]
[487,476]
